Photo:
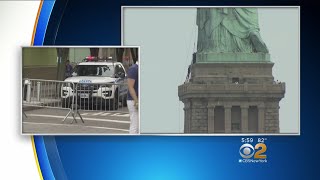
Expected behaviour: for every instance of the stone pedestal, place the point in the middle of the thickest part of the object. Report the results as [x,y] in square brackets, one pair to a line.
[248,84]
[232,57]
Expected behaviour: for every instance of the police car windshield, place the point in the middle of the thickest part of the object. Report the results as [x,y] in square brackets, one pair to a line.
[95,70]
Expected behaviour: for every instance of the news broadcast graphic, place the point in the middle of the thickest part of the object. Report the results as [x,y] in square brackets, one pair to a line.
[253,151]
[164,150]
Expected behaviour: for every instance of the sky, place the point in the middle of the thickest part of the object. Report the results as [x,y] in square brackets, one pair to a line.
[167,37]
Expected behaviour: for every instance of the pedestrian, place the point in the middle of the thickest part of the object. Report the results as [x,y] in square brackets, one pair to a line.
[68,71]
[132,99]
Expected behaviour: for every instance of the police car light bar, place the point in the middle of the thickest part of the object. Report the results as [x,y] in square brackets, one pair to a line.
[90,58]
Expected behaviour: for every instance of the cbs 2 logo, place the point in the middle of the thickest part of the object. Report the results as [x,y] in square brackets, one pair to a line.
[247,151]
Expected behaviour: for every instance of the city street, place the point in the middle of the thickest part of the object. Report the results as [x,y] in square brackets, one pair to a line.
[49,121]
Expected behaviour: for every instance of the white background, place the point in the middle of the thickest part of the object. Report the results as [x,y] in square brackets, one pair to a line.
[17,20]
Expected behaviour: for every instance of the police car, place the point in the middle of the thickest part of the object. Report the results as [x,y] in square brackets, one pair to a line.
[96,83]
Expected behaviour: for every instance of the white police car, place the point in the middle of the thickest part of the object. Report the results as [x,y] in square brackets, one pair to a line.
[96,83]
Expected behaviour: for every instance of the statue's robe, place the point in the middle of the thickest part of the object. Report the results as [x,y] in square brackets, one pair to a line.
[227,29]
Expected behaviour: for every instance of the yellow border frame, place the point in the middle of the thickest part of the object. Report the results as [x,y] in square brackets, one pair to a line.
[32,137]
[36,157]
[36,22]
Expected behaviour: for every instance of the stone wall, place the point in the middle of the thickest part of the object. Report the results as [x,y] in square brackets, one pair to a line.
[220,73]
[199,116]
[272,117]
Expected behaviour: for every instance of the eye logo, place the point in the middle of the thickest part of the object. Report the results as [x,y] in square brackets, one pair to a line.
[246,151]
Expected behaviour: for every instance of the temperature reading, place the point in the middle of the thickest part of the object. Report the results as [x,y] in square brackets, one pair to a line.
[261,140]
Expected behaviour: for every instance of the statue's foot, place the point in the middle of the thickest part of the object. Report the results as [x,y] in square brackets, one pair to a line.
[257,42]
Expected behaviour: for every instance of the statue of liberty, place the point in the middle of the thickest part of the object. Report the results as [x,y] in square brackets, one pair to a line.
[229,30]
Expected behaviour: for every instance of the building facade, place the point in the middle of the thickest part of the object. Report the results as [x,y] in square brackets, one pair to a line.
[235,93]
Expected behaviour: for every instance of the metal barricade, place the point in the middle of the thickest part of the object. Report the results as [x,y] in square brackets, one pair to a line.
[101,97]
[50,94]
[23,96]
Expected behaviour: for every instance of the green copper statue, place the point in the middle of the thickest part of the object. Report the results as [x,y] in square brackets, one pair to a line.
[229,30]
